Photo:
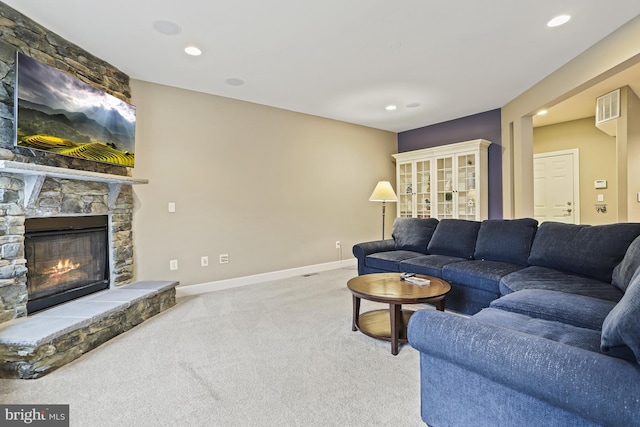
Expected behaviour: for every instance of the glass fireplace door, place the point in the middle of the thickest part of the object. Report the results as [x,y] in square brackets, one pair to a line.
[65,264]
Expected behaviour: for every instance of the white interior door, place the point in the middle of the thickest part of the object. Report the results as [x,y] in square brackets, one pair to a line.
[556,186]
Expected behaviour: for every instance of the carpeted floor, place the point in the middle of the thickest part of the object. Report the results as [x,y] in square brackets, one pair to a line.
[280,353]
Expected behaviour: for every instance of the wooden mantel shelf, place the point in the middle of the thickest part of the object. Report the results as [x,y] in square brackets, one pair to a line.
[35,174]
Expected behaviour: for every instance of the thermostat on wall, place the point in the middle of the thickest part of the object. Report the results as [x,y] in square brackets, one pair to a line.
[601,183]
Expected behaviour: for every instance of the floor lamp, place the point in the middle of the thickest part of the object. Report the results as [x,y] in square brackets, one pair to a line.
[383,193]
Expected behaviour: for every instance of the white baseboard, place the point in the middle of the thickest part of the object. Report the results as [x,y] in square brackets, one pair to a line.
[219,285]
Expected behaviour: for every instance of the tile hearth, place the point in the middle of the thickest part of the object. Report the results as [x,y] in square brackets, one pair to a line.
[36,345]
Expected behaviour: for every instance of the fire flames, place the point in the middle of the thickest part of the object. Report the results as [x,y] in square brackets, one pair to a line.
[62,267]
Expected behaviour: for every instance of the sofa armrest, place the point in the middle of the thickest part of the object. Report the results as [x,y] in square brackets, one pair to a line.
[361,250]
[595,386]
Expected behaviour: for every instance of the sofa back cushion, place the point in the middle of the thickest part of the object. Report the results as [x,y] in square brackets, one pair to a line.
[506,240]
[587,250]
[413,234]
[624,272]
[621,328]
[454,237]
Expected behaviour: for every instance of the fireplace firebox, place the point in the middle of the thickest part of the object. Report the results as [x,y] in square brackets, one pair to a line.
[67,257]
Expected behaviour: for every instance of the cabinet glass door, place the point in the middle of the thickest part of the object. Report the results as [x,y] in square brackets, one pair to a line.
[405,190]
[423,189]
[444,172]
[466,186]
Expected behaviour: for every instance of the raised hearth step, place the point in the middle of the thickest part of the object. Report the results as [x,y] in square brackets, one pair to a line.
[35,345]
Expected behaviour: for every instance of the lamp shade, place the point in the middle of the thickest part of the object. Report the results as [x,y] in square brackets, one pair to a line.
[383,193]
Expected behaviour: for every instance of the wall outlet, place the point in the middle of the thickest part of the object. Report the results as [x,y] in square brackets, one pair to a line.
[172,207]
[338,246]
[173,264]
[224,258]
[204,261]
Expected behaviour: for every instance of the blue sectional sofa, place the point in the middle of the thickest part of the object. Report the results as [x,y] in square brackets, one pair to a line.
[473,256]
[553,336]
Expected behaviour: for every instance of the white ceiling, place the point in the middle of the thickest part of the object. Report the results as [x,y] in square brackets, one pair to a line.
[341,59]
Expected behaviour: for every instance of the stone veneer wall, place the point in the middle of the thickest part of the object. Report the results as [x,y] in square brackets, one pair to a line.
[58,196]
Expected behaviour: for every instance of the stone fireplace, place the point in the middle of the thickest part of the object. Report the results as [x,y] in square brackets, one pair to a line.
[43,209]
[37,338]
[32,192]
[36,184]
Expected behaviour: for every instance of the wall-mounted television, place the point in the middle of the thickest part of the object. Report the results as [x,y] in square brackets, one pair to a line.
[59,113]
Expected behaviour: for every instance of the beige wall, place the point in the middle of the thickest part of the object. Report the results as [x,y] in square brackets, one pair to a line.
[597,153]
[272,188]
[607,57]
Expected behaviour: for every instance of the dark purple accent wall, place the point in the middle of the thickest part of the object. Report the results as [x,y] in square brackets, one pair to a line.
[485,125]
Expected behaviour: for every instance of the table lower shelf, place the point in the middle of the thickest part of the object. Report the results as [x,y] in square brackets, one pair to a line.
[377,324]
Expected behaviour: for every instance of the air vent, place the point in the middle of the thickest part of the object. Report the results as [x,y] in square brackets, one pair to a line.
[607,110]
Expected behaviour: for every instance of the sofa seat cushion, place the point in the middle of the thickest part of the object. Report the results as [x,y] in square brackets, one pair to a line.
[430,265]
[621,328]
[389,261]
[454,237]
[506,240]
[576,310]
[413,234]
[589,250]
[547,278]
[479,274]
[587,339]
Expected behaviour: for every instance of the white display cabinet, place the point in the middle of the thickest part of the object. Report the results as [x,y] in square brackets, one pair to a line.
[448,181]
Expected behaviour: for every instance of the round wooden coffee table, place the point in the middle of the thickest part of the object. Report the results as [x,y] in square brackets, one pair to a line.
[391,324]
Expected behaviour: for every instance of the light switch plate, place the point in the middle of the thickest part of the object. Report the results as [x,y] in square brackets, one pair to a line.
[172,207]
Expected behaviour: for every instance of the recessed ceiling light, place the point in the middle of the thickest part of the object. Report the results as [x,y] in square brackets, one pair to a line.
[390,107]
[558,20]
[166,27]
[541,112]
[413,105]
[193,51]
[234,81]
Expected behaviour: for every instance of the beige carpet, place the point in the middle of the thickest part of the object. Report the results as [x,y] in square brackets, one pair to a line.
[280,353]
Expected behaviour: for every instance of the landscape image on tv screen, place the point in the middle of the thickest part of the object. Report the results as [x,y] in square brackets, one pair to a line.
[59,113]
